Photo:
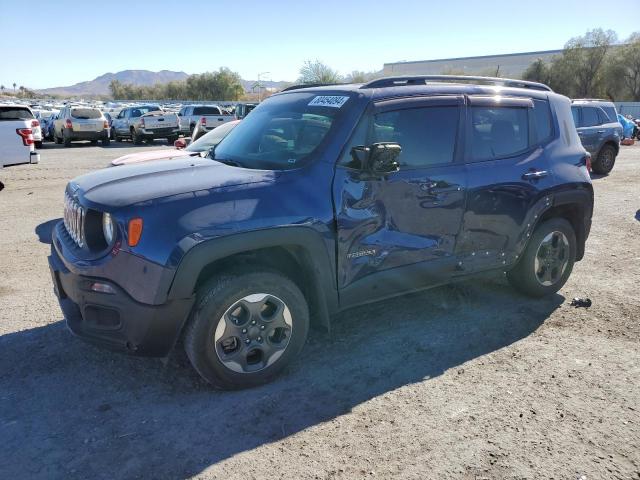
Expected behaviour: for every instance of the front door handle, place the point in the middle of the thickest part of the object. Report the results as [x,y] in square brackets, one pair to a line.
[600,131]
[535,175]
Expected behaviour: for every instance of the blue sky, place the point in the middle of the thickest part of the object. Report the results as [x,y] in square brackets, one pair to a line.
[91,38]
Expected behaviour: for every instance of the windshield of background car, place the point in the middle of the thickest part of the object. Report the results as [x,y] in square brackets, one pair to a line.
[85,113]
[211,139]
[283,132]
[15,113]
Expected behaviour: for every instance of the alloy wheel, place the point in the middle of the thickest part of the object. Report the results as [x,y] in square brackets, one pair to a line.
[253,333]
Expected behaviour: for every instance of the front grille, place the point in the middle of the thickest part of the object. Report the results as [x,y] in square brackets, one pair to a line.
[74,216]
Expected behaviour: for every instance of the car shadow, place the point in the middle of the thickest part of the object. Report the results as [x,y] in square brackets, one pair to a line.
[45,229]
[638,215]
[71,410]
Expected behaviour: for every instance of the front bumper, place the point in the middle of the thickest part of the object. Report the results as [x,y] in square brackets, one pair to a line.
[116,320]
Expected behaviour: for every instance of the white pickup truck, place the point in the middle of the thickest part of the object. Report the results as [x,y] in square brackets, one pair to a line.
[16,135]
[145,122]
[208,117]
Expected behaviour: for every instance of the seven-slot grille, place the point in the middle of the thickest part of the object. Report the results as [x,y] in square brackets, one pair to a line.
[74,220]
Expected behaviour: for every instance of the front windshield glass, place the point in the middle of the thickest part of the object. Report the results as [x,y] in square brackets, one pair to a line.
[211,139]
[283,132]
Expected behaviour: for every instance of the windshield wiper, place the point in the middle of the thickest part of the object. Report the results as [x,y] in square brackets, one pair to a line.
[232,163]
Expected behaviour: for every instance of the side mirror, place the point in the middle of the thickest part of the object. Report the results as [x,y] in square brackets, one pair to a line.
[180,143]
[377,159]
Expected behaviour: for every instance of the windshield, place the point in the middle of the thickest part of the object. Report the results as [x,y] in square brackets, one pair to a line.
[211,139]
[85,113]
[283,132]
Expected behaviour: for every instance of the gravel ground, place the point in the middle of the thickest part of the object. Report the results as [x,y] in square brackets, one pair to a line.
[470,381]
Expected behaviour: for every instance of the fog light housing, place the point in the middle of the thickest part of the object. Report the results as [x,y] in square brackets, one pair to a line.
[100,287]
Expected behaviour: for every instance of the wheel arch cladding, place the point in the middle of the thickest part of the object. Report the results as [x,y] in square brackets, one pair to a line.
[297,252]
[575,207]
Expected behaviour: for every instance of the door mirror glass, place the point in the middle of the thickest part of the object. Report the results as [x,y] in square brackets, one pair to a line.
[378,158]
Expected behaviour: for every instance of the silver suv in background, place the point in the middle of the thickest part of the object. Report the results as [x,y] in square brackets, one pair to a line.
[599,131]
[81,123]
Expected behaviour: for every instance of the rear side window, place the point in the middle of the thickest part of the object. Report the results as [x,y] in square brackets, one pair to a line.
[499,132]
[15,113]
[85,113]
[602,116]
[542,118]
[206,111]
[590,117]
[427,135]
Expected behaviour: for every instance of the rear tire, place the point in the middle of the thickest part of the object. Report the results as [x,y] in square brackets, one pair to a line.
[547,261]
[57,139]
[106,141]
[38,144]
[135,138]
[605,161]
[66,140]
[232,342]
[170,140]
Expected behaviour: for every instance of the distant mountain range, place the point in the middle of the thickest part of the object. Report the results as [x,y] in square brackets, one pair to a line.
[100,85]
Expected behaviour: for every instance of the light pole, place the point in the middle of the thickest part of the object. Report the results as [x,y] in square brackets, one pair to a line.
[260,86]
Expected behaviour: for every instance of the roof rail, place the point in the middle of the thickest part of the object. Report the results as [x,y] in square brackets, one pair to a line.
[590,100]
[309,85]
[424,79]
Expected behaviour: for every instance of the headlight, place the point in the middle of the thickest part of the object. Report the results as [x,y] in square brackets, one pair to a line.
[108,228]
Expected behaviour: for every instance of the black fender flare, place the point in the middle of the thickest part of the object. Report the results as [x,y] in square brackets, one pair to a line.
[319,259]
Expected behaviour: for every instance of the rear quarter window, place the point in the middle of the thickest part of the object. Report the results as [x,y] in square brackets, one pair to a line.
[15,113]
[542,119]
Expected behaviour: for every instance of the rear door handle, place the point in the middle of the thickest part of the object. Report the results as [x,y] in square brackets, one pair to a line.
[600,131]
[535,175]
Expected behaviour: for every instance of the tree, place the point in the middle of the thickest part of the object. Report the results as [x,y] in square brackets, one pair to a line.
[538,71]
[317,72]
[627,61]
[2,88]
[579,71]
[14,86]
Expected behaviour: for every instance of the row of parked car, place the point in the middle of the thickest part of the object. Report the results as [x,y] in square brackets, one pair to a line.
[136,123]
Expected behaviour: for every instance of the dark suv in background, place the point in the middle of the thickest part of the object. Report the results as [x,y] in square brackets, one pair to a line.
[599,131]
[321,199]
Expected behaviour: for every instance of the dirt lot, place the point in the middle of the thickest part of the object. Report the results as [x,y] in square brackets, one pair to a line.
[469,381]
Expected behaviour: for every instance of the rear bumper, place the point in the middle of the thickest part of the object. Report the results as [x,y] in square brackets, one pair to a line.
[116,321]
[160,132]
[76,135]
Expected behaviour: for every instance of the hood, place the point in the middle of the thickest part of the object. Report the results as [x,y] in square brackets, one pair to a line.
[123,186]
[148,156]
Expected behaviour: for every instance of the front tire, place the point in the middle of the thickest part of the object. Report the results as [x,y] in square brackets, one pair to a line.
[547,261]
[245,328]
[605,161]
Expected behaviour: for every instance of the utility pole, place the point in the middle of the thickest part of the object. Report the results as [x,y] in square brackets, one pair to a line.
[260,85]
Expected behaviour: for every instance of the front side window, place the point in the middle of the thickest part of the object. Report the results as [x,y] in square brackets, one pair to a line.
[498,132]
[284,132]
[427,135]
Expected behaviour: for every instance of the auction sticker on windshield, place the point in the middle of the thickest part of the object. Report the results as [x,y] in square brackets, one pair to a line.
[328,101]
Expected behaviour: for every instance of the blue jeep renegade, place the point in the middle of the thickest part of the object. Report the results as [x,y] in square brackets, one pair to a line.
[323,198]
